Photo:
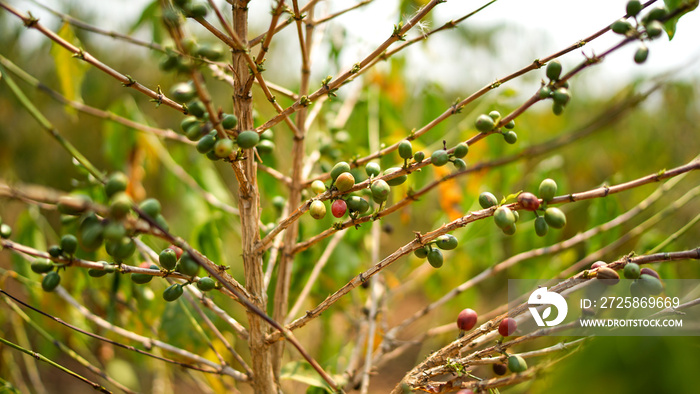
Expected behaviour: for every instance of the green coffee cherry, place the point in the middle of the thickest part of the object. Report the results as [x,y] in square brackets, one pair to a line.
[196,108]
[555,217]
[229,121]
[117,182]
[160,220]
[187,265]
[461,150]
[541,226]
[510,124]
[212,52]
[265,147]
[640,56]
[183,92]
[168,62]
[557,109]
[344,182]
[495,115]
[516,214]
[631,271]
[487,200]
[634,7]
[96,273]
[150,207]
[398,180]
[55,251]
[380,190]
[223,147]
[206,284]
[318,186]
[446,242]
[516,364]
[69,244]
[5,231]
[510,136]
[418,156]
[120,205]
[405,149]
[655,14]
[440,157]
[621,26]
[357,204]
[206,143]
[123,249]
[654,29]
[503,217]
[548,189]
[247,139]
[167,259]
[279,202]
[173,292]
[650,285]
[114,231]
[41,266]
[90,235]
[194,131]
[544,92]
[141,278]
[435,258]
[268,135]
[421,252]
[196,10]
[484,123]
[317,209]
[371,168]
[338,169]
[554,70]
[561,96]
[51,281]
[509,230]
[460,164]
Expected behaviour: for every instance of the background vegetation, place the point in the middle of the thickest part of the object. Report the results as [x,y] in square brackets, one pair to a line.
[641,129]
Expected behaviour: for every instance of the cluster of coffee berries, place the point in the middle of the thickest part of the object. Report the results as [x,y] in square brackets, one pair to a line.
[646,280]
[649,27]
[487,123]
[5,230]
[192,9]
[342,180]
[558,92]
[434,255]
[440,157]
[506,218]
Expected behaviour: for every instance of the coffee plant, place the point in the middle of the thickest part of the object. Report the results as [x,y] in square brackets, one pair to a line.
[166,187]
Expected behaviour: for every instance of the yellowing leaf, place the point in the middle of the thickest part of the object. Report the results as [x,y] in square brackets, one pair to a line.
[70,70]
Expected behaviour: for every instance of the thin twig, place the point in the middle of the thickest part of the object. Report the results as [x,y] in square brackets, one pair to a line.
[126,80]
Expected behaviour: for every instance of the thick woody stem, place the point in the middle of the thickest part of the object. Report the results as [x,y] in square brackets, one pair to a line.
[249,203]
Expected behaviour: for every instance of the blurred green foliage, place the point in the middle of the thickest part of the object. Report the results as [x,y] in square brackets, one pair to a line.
[660,133]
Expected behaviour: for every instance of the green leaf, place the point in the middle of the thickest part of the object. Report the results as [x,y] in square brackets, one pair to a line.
[209,241]
[70,70]
[119,140]
[670,25]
